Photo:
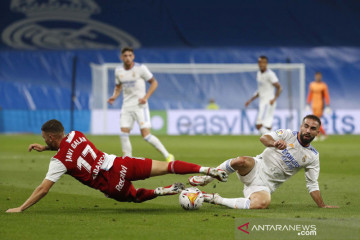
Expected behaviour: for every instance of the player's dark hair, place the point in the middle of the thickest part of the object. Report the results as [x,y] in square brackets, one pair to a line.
[313,117]
[318,73]
[127,49]
[53,126]
[264,57]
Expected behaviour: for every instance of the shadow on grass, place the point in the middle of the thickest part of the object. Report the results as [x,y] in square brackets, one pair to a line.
[118,210]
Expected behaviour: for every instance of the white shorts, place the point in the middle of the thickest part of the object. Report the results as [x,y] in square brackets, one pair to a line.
[254,180]
[266,114]
[139,114]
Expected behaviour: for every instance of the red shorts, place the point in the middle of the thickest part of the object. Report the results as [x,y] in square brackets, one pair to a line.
[125,170]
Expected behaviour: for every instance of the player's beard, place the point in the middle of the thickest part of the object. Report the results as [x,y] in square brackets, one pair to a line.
[51,147]
[306,141]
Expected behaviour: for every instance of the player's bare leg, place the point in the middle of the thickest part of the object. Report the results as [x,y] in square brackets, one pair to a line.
[125,142]
[153,140]
[243,165]
[179,167]
[260,200]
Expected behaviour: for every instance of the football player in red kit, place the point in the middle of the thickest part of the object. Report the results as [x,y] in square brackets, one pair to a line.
[112,175]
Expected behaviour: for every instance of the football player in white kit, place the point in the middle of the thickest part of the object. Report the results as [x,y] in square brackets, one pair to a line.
[131,77]
[267,81]
[287,152]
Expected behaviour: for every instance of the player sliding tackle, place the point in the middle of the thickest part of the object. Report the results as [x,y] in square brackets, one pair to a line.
[112,175]
[287,152]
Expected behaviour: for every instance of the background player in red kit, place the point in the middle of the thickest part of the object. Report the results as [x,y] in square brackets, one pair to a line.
[112,175]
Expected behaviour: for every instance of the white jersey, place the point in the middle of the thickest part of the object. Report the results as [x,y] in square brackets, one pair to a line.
[133,83]
[265,83]
[280,165]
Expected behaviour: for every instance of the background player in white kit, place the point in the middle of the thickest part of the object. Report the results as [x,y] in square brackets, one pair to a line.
[287,152]
[131,77]
[267,81]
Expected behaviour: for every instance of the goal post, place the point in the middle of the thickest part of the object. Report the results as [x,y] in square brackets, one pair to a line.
[229,79]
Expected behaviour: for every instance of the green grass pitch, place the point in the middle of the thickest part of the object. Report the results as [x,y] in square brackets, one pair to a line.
[74,211]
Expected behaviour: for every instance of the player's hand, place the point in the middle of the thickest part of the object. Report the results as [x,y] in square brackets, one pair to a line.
[142,100]
[280,144]
[37,147]
[328,206]
[14,210]
[111,100]
[272,101]
[247,103]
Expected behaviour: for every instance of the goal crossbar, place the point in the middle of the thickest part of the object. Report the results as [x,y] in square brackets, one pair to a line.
[202,68]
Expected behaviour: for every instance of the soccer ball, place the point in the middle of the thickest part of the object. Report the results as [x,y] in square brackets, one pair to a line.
[191,198]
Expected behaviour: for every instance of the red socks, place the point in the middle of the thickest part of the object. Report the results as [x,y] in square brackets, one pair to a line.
[180,167]
[143,194]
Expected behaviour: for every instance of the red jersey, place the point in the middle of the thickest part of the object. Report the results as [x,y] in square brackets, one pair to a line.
[112,175]
[82,160]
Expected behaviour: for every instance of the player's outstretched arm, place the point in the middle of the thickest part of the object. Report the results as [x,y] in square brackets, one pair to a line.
[316,196]
[268,141]
[37,147]
[38,194]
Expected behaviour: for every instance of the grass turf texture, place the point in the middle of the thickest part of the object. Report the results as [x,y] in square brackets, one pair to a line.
[74,211]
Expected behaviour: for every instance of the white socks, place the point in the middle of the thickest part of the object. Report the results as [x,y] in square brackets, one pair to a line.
[125,144]
[157,144]
[226,166]
[238,203]
[263,130]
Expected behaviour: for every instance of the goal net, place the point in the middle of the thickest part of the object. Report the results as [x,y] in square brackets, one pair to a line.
[190,86]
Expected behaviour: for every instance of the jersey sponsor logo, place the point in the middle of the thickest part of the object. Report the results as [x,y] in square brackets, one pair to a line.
[289,160]
[59,24]
[122,178]
[129,84]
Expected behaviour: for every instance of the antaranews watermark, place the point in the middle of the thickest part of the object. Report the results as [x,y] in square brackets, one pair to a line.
[296,228]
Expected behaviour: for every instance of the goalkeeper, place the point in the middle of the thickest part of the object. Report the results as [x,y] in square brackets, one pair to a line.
[318,95]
